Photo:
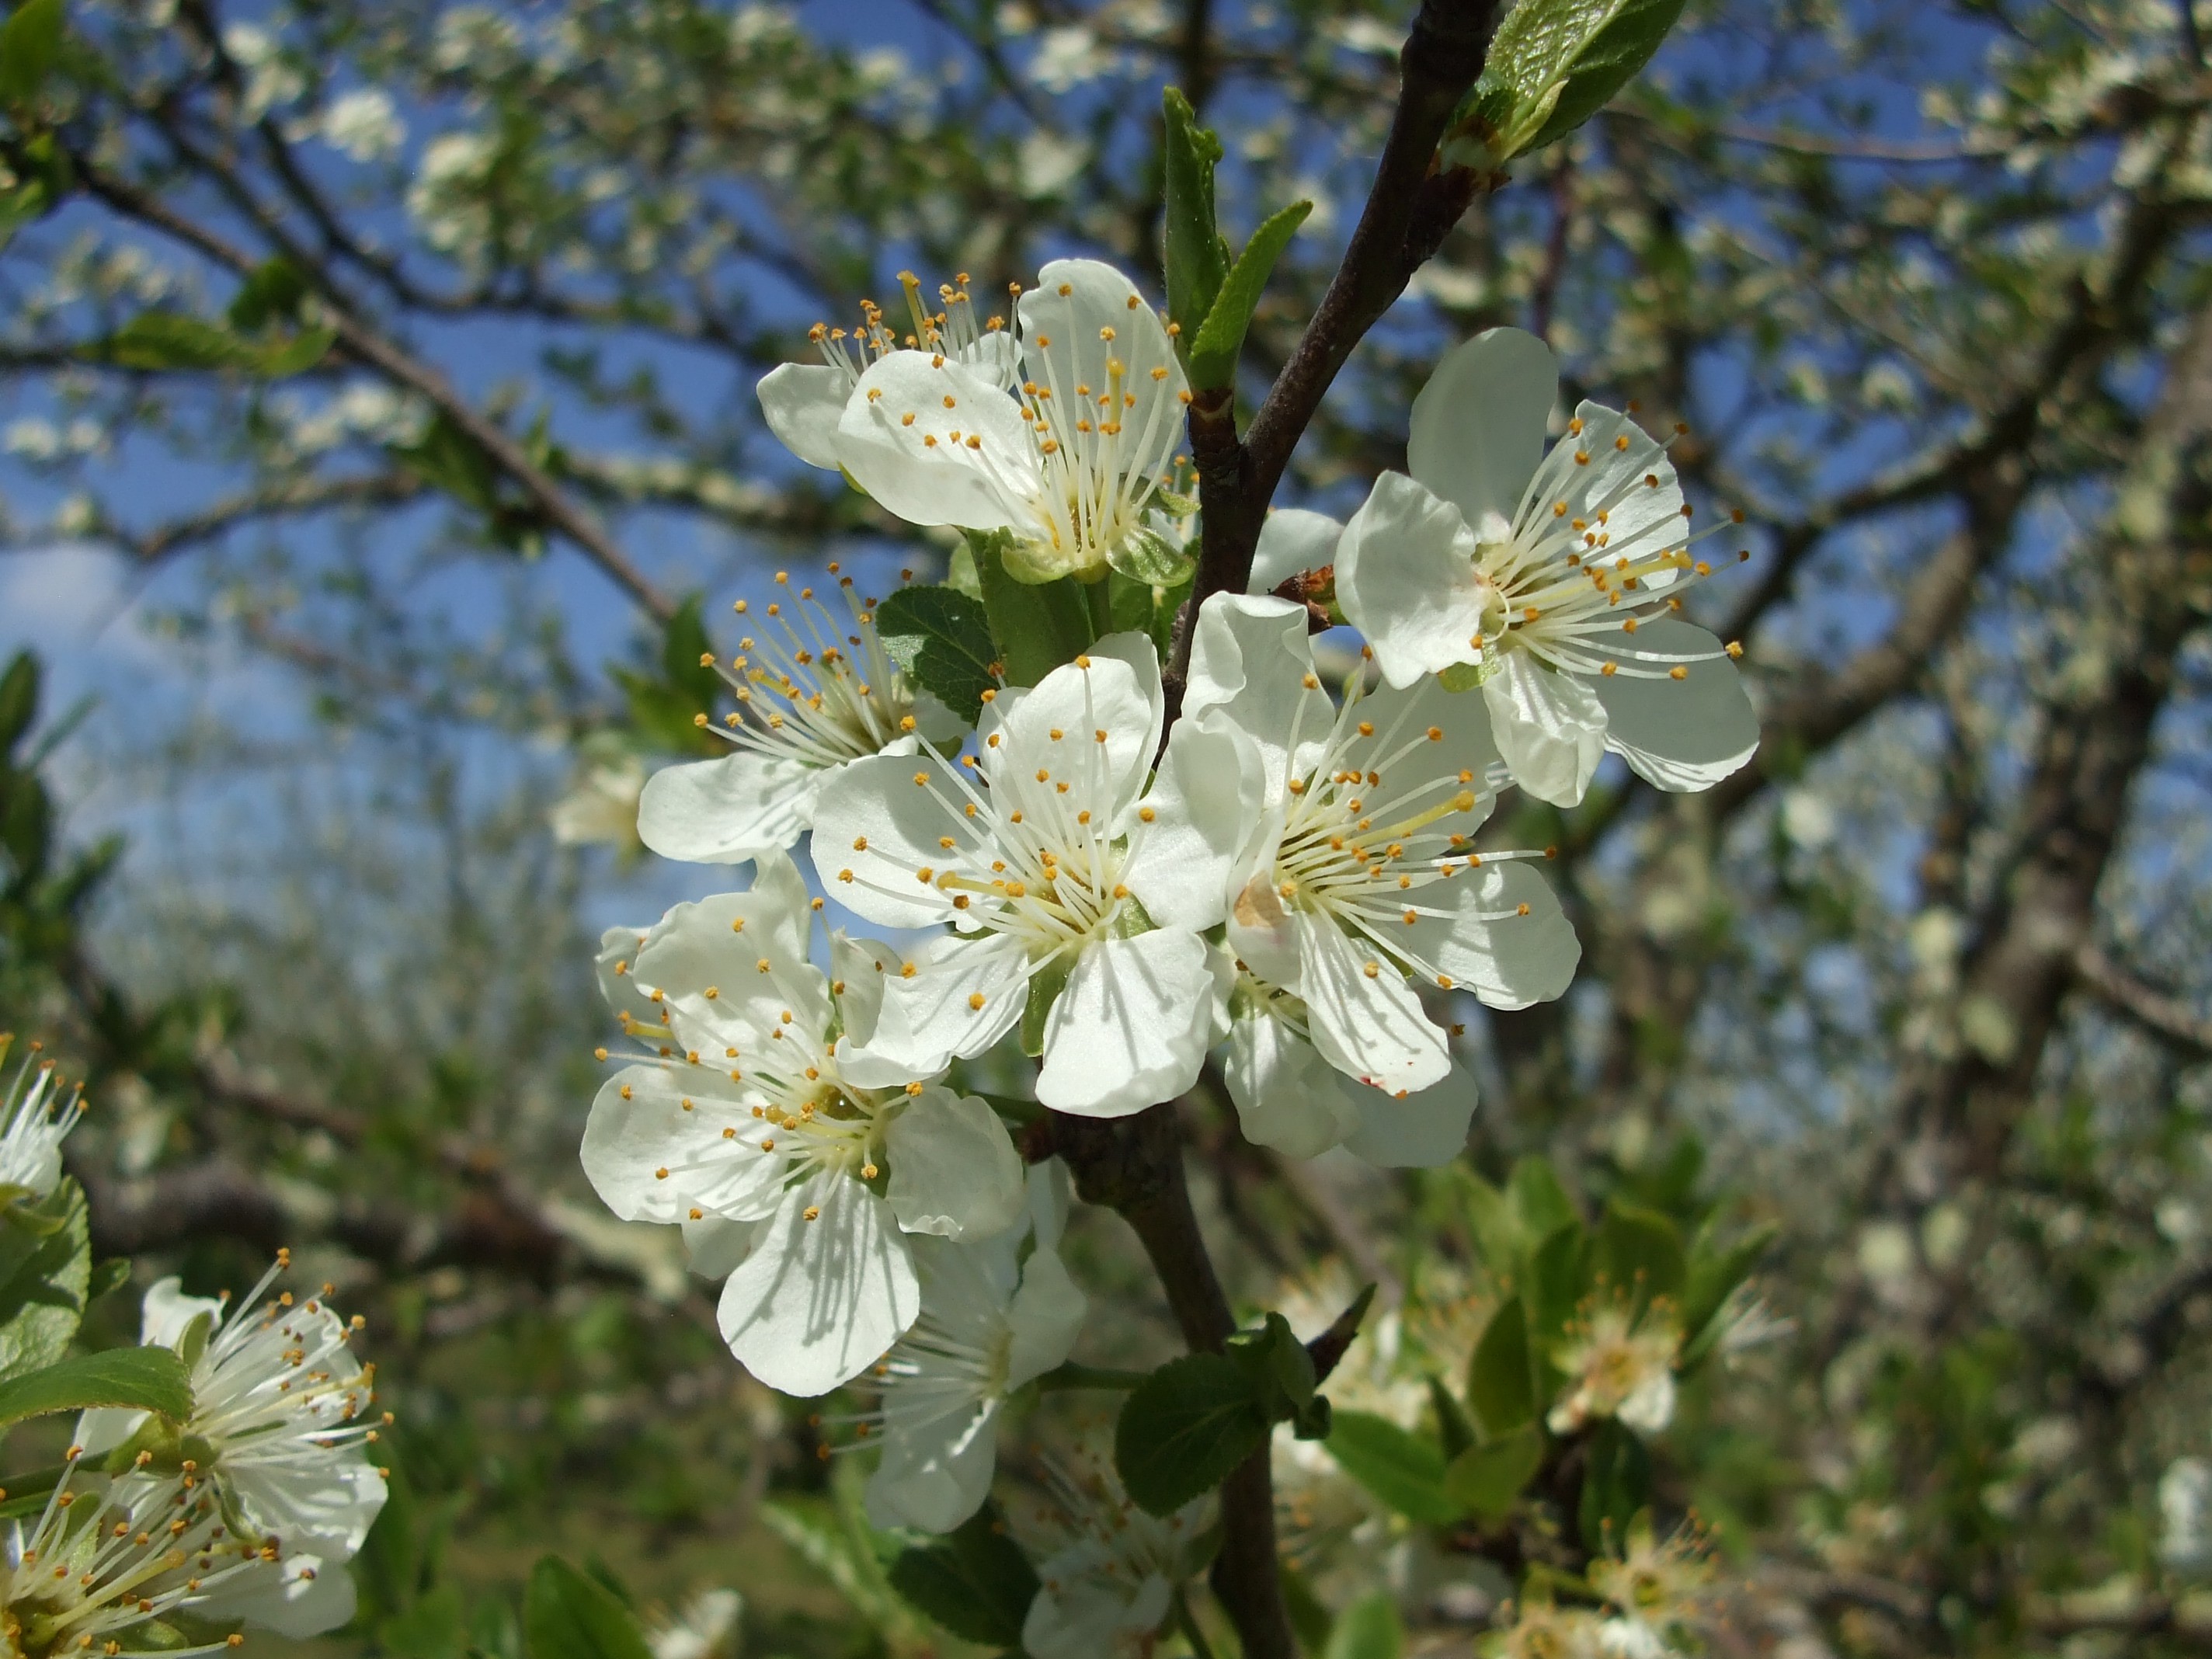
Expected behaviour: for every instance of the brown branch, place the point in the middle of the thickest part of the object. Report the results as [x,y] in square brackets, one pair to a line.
[373,349]
[2166,1017]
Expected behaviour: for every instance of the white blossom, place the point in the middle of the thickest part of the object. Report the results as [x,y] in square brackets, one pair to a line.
[36,1120]
[803,401]
[1072,469]
[815,691]
[279,1426]
[1655,1589]
[600,807]
[1105,1592]
[706,1627]
[364,124]
[796,1161]
[991,1322]
[1022,849]
[1336,845]
[1550,580]
[1619,1362]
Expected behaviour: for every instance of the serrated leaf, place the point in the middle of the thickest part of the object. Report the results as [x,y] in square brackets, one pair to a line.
[943,639]
[1563,60]
[1400,1468]
[975,1581]
[566,1614]
[1277,1366]
[1487,1480]
[1212,358]
[30,41]
[161,340]
[1498,1382]
[151,1379]
[1191,250]
[45,1276]
[1368,1629]
[1184,1428]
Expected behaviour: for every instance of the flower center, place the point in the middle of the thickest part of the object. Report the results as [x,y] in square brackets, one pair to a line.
[810,691]
[951,329]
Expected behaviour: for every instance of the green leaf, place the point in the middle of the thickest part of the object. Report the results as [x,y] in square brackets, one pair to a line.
[1147,556]
[567,1615]
[1184,1428]
[19,700]
[435,1627]
[975,1581]
[150,1379]
[1638,1249]
[1541,1204]
[1616,1485]
[1402,1469]
[1368,1629]
[30,41]
[1453,1427]
[1040,624]
[1492,1218]
[1714,1274]
[1487,1480]
[270,292]
[168,340]
[1498,1383]
[1194,259]
[942,638]
[1277,1366]
[1563,60]
[296,355]
[1555,1283]
[46,1278]
[1212,358]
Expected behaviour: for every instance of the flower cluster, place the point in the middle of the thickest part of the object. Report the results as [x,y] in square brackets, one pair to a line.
[244,1514]
[1293,879]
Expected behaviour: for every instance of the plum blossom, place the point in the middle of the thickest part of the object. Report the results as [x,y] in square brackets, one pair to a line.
[1335,846]
[1105,1592]
[803,401]
[1022,849]
[991,1322]
[1550,581]
[796,1161]
[1072,469]
[814,692]
[36,1120]
[1619,1362]
[1655,1589]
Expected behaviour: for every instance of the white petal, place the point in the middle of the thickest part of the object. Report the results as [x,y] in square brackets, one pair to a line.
[1651,1407]
[1487,946]
[1119,694]
[1098,298]
[1462,757]
[726,810]
[927,1018]
[167,1313]
[1287,1095]
[917,469]
[1648,515]
[716,1245]
[706,960]
[873,819]
[1291,540]
[1550,727]
[328,1513]
[1421,1131]
[859,965]
[629,1139]
[306,1596]
[817,1302]
[994,354]
[1368,1025]
[1406,578]
[1478,426]
[1045,1317]
[1683,735]
[1132,1028]
[802,402]
[617,949]
[1205,804]
[1049,1199]
[934,1477]
[1252,661]
[954,1169]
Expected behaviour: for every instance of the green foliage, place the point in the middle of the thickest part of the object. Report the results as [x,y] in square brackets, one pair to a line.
[1368,1629]
[1616,1486]
[1500,1383]
[45,1276]
[1196,258]
[157,340]
[1552,65]
[1040,625]
[943,639]
[1148,558]
[1405,1471]
[1487,1480]
[30,43]
[1213,354]
[1638,1250]
[148,1379]
[664,703]
[1184,1428]
[975,1581]
[271,292]
[567,1614]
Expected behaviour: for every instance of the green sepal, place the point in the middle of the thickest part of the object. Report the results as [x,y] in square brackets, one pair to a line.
[1145,555]
[1046,984]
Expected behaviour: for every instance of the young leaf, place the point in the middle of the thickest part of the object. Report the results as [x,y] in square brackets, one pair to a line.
[1499,1382]
[1368,1629]
[29,42]
[1041,625]
[975,1581]
[568,1615]
[1195,260]
[1405,1471]
[1486,1481]
[1714,1274]
[1638,1249]
[1616,1484]
[943,638]
[1277,1367]
[19,699]
[45,1276]
[1557,1277]
[270,292]
[1563,59]
[1540,1203]
[1184,1428]
[150,1379]
[1147,556]
[1213,355]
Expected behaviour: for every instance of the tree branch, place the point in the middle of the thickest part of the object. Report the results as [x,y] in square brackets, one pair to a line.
[2162,1016]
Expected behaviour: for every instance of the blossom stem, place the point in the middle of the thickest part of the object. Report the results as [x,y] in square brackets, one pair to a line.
[1133,1165]
[1187,1622]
